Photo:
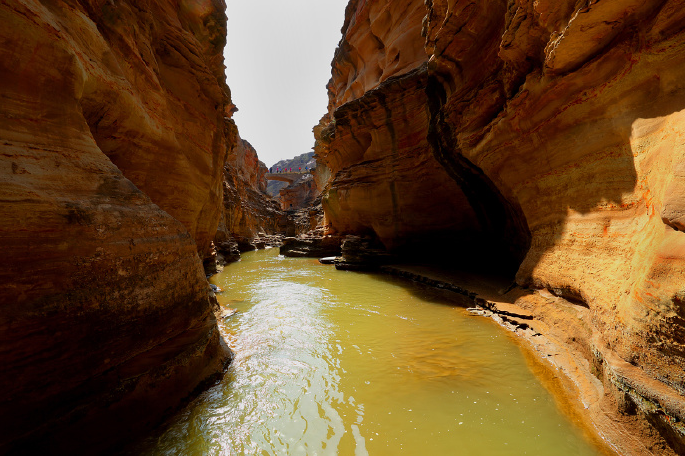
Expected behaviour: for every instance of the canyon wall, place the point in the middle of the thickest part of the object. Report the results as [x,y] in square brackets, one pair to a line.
[385,179]
[248,210]
[113,139]
[300,194]
[544,136]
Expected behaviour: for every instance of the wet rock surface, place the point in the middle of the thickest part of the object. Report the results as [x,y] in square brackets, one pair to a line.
[362,254]
[311,246]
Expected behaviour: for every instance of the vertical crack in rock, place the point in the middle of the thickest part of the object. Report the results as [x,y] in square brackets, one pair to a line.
[503,223]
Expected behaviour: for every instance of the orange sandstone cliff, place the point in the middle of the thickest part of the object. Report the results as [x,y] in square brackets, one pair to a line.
[385,178]
[543,136]
[112,143]
[249,212]
[300,194]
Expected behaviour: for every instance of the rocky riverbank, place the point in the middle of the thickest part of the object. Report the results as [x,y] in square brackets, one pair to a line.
[620,408]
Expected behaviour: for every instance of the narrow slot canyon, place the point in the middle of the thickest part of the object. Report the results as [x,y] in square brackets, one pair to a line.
[482,253]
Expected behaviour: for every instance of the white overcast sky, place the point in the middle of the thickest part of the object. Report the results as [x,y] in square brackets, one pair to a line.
[278,61]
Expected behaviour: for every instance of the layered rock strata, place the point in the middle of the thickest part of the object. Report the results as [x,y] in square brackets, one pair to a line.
[311,246]
[307,221]
[112,139]
[300,194]
[384,178]
[551,131]
[249,212]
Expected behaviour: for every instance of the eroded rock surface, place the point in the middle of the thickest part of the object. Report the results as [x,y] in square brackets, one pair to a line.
[543,135]
[300,194]
[111,143]
[249,212]
[311,246]
[383,176]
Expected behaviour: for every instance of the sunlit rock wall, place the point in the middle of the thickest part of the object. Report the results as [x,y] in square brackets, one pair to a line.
[560,126]
[384,178]
[576,114]
[112,144]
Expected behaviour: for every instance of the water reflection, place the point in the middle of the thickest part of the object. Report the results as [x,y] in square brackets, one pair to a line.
[332,362]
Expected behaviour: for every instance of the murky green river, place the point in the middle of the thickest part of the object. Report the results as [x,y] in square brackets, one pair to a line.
[332,362]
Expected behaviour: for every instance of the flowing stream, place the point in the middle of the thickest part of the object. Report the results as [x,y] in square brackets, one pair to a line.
[332,362]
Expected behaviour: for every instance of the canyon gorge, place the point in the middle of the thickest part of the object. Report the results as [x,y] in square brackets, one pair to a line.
[115,126]
[537,144]
[541,137]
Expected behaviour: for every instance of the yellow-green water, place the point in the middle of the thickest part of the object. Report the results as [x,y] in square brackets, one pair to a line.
[332,362]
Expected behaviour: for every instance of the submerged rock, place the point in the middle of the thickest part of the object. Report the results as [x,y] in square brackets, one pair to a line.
[363,254]
[311,246]
[328,260]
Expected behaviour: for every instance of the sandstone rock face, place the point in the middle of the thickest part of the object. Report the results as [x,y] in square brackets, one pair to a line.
[112,139]
[300,194]
[552,130]
[306,221]
[156,103]
[379,42]
[311,246]
[384,178]
[248,210]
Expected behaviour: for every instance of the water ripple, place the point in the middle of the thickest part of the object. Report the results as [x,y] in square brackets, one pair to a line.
[344,363]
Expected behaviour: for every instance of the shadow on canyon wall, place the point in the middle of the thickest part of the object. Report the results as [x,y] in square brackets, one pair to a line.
[577,153]
[594,150]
